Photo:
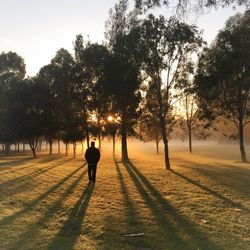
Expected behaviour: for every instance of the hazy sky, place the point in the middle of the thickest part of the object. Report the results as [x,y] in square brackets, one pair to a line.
[36,29]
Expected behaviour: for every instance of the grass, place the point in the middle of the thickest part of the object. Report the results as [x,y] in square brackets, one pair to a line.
[203,203]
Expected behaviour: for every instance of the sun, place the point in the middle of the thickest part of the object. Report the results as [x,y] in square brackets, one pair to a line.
[110,118]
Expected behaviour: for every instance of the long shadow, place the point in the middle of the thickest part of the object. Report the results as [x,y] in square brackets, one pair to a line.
[67,236]
[40,162]
[132,214]
[177,230]
[133,221]
[211,192]
[53,209]
[32,175]
[234,177]
[8,219]
[13,163]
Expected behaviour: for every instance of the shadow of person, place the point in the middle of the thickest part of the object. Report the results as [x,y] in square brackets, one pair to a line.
[67,236]
[177,231]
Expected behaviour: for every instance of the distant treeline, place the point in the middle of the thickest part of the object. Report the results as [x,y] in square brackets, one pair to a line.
[144,82]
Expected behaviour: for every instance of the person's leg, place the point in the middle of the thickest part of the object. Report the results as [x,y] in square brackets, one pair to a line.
[89,172]
[94,173]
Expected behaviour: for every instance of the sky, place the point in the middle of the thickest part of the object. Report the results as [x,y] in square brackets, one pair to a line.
[36,29]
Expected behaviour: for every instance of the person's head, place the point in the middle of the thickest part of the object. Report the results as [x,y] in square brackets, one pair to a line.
[92,144]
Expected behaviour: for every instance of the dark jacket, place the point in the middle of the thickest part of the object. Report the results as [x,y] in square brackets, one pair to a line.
[92,155]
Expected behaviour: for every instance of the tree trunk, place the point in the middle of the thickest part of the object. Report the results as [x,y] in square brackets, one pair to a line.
[87,136]
[99,133]
[114,144]
[74,150]
[67,149]
[82,147]
[99,141]
[86,126]
[242,149]
[34,152]
[33,145]
[7,148]
[124,142]
[165,142]
[163,123]
[50,146]
[157,145]
[39,145]
[23,147]
[59,146]
[190,140]
[18,146]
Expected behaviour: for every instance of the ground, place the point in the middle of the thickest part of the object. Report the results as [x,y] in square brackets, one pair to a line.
[203,203]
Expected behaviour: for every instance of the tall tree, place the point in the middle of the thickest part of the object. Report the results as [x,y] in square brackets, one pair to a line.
[81,88]
[122,72]
[223,78]
[94,58]
[165,44]
[59,76]
[12,71]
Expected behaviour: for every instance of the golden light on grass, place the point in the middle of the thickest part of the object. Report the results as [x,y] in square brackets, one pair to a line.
[51,205]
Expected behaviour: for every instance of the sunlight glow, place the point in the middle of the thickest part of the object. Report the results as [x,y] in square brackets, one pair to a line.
[110,118]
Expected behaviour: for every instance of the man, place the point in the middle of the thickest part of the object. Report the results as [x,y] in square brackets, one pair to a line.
[92,156]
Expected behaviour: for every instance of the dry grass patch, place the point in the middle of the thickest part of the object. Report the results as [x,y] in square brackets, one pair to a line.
[47,203]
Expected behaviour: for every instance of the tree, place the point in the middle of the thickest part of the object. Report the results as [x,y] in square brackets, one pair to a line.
[223,78]
[27,110]
[122,83]
[184,6]
[94,59]
[122,71]
[12,71]
[165,44]
[81,89]
[58,76]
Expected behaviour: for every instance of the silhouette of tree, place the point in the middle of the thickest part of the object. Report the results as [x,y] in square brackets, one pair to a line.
[81,87]
[94,58]
[12,71]
[27,107]
[222,79]
[165,44]
[122,71]
[58,75]
[185,6]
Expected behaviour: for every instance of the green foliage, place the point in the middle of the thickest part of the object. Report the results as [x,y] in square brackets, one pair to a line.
[185,6]
[223,78]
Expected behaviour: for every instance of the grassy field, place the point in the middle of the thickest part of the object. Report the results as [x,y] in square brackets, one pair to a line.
[203,203]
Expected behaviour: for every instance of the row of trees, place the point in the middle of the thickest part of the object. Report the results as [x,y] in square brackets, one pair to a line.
[139,77]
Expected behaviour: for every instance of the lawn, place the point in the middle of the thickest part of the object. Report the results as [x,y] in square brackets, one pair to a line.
[203,203]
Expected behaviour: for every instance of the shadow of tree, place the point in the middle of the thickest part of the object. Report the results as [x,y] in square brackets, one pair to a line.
[233,177]
[17,162]
[177,231]
[31,175]
[8,219]
[14,163]
[211,192]
[131,223]
[67,236]
[33,230]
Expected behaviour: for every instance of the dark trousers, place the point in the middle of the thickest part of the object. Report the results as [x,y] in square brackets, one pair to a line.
[92,172]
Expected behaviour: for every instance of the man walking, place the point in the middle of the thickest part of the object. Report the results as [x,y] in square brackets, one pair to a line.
[92,156]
